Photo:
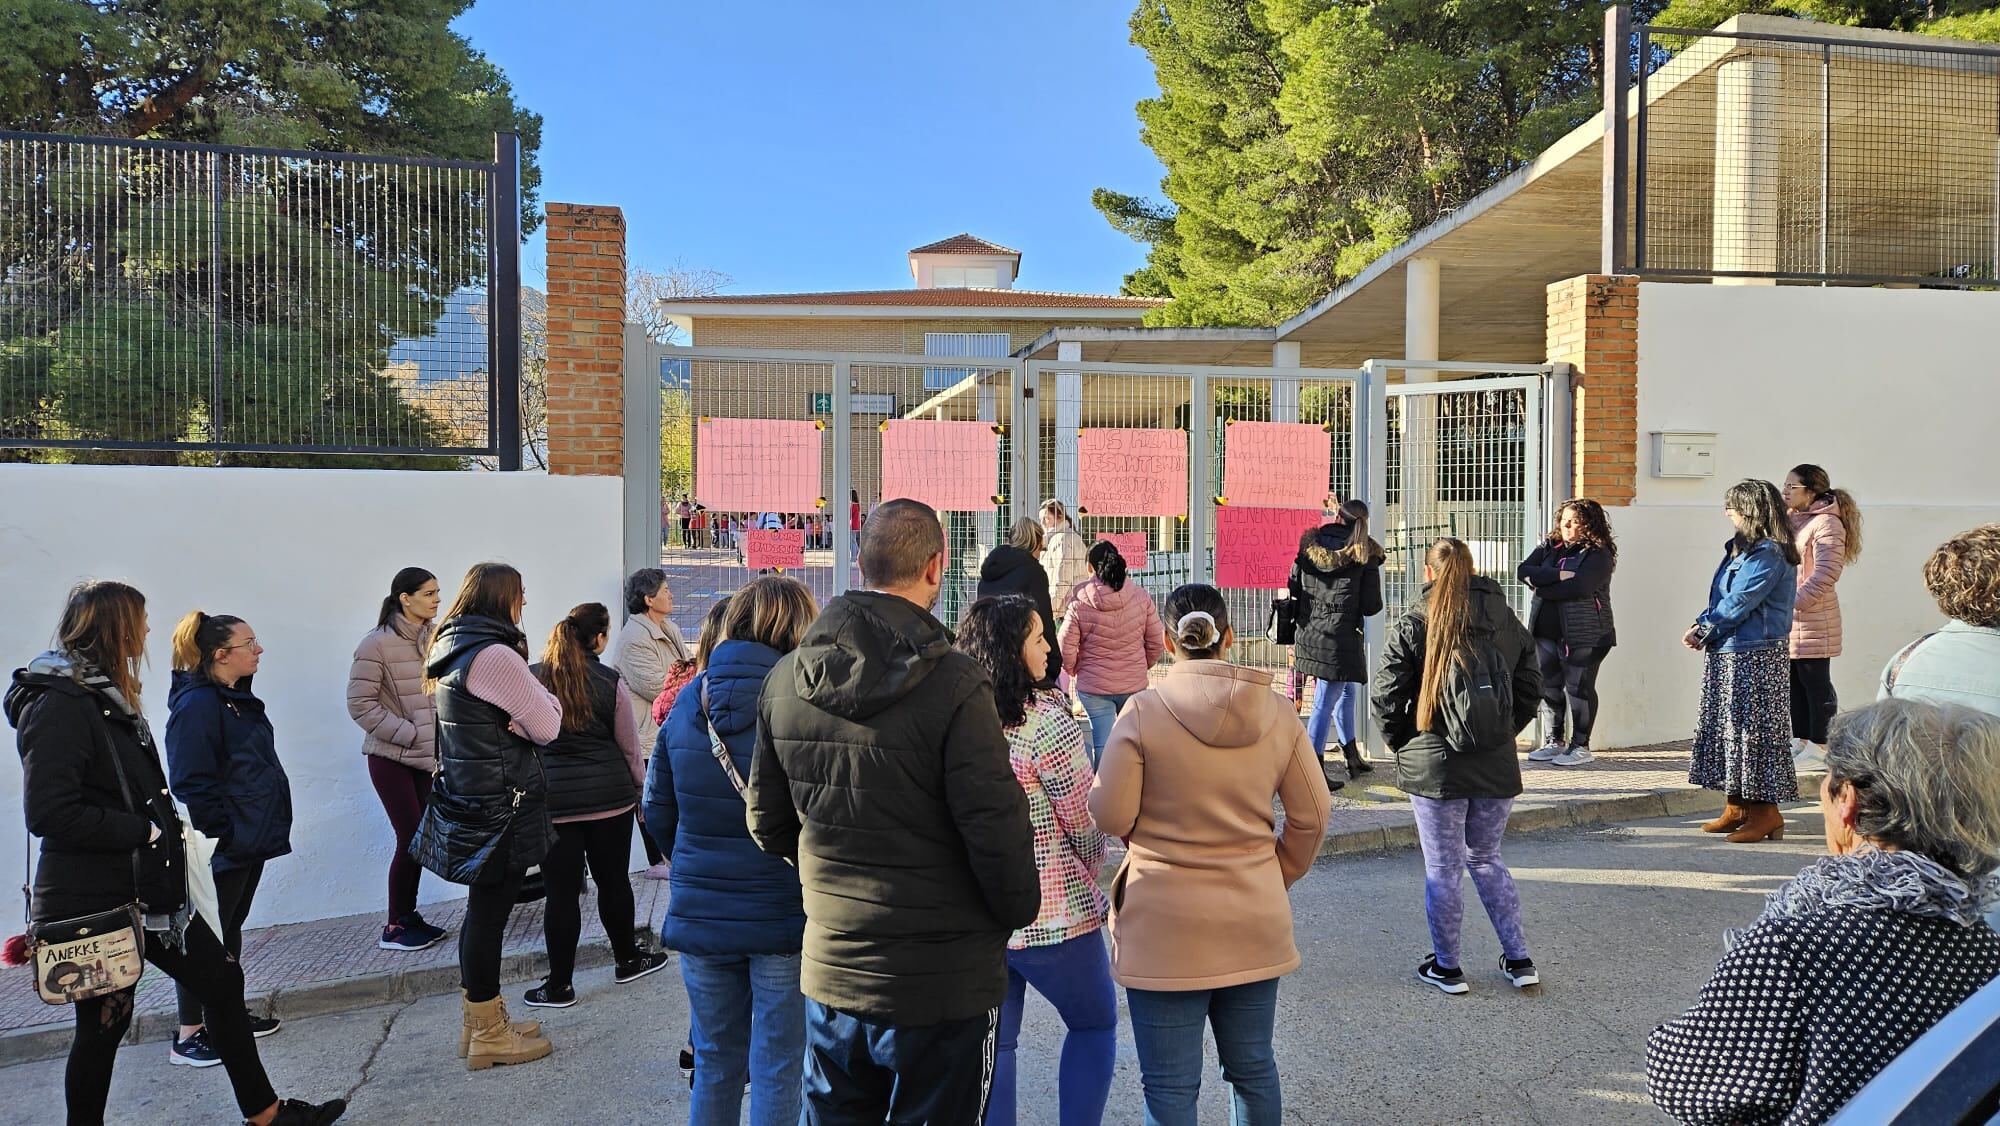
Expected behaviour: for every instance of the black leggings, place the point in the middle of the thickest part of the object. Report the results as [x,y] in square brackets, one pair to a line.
[1569,675]
[234,890]
[484,932]
[203,967]
[1813,698]
[606,844]
[653,853]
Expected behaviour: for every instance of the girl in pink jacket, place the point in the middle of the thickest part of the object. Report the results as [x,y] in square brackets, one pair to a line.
[1110,639]
[1826,528]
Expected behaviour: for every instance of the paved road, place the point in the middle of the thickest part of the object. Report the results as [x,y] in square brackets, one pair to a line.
[1625,924]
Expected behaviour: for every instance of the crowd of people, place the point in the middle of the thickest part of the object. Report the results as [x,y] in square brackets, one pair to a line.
[694,526]
[879,833]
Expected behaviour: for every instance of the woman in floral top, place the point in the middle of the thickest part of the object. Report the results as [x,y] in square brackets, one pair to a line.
[1061,953]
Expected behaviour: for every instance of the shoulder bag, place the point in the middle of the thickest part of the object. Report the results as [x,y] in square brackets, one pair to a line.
[1282,626]
[720,751]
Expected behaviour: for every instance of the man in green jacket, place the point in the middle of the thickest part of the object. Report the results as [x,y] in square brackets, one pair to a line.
[881,770]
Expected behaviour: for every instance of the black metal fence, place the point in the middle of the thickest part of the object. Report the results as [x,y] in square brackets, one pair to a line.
[1801,158]
[245,303]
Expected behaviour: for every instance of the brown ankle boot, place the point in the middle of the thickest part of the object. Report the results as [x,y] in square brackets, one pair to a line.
[1764,823]
[496,1041]
[524,1027]
[1733,813]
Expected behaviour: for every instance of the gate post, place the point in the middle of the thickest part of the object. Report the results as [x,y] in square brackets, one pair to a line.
[643,526]
[1025,449]
[843,473]
[1201,474]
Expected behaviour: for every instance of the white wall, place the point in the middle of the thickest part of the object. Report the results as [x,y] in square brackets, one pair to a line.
[304,556]
[1895,392]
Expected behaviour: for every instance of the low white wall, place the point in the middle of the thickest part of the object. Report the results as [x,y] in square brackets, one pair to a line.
[1893,391]
[304,556]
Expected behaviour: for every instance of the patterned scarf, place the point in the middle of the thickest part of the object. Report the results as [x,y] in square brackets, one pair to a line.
[1874,880]
[75,666]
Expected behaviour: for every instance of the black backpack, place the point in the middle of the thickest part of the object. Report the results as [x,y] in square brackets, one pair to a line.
[1477,704]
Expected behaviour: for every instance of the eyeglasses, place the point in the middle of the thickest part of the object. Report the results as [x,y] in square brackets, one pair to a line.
[239,645]
[1794,488]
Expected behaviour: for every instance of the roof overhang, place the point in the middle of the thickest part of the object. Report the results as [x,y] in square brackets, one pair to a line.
[684,315]
[1214,346]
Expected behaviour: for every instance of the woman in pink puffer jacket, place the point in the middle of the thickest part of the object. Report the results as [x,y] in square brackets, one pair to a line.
[1110,639]
[1826,527]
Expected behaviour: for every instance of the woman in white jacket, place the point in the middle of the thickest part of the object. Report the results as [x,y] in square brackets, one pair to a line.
[1064,555]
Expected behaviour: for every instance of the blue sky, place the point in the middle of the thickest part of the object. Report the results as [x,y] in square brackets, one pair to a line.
[807,145]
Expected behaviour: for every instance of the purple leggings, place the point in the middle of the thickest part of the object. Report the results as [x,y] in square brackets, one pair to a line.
[1461,834]
[403,791]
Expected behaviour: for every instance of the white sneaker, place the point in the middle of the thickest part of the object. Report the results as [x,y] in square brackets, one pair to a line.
[1574,756]
[1547,752]
[1810,758]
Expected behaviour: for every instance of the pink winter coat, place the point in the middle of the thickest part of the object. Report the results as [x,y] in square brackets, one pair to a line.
[1822,542]
[1110,638]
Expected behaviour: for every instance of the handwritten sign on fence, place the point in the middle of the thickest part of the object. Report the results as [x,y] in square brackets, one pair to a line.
[1254,547]
[1132,472]
[1275,464]
[783,547]
[947,465]
[757,464]
[1131,545]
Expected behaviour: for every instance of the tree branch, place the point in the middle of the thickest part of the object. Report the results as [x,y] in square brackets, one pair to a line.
[158,108]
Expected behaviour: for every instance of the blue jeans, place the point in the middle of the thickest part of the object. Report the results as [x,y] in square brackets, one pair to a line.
[1103,712]
[1076,978]
[749,1021]
[1335,703]
[1166,1029]
[1461,835]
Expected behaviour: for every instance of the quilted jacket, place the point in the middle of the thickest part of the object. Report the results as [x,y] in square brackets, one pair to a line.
[1111,638]
[1822,543]
[386,697]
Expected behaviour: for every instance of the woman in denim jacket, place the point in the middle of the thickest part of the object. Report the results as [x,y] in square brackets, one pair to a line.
[1742,742]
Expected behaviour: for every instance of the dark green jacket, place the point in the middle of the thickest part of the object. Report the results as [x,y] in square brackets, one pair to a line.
[880,769]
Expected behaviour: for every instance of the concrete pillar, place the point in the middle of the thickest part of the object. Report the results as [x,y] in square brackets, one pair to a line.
[1745,231]
[1285,388]
[1422,286]
[1069,417]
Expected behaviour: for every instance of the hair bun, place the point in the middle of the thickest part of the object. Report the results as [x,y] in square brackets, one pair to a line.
[1196,630]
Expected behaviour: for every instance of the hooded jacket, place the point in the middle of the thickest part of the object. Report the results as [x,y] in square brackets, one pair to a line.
[727,896]
[1010,570]
[90,830]
[490,793]
[1187,779]
[882,770]
[222,759]
[1331,594]
[1065,559]
[1821,537]
[1426,764]
[1112,638]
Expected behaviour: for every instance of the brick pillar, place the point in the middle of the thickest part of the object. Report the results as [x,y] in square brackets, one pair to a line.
[586,373]
[1594,326]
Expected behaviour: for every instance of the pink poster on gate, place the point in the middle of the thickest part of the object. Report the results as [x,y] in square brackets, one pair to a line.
[947,465]
[1132,472]
[1254,547]
[779,547]
[1131,545]
[757,465]
[1276,464]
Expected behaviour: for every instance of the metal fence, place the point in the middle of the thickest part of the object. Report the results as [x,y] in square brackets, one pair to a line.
[1805,158]
[239,302]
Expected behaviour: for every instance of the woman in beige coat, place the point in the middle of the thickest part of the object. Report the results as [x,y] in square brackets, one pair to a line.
[1201,929]
[648,646]
[1826,528]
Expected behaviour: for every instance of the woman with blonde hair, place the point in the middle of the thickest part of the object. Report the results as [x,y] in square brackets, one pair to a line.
[1063,555]
[1458,681]
[1826,530]
[1015,568]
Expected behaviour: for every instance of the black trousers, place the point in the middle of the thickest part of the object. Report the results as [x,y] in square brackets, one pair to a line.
[1569,686]
[860,1072]
[483,933]
[1813,700]
[202,967]
[653,853]
[606,845]
[234,889]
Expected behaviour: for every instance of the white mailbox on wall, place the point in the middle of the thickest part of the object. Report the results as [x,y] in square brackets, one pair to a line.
[1683,453]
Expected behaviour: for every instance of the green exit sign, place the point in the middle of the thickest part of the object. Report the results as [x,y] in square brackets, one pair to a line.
[822,403]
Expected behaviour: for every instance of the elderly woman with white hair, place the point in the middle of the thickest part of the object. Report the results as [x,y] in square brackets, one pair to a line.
[1860,954]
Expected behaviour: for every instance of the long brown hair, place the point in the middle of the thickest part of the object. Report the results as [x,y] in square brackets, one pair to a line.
[104,622]
[1359,549]
[566,660]
[1821,487]
[1448,614]
[1763,510]
[198,636]
[490,590]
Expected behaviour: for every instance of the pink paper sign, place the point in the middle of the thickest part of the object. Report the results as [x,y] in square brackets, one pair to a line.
[1254,547]
[1132,472]
[947,465]
[1131,545]
[757,464]
[782,547]
[1275,464]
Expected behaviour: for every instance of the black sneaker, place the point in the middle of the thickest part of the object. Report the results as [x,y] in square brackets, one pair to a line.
[547,996]
[416,923]
[292,1112]
[1520,971]
[647,962]
[402,936]
[687,1065]
[1450,981]
[195,1051]
[261,1027]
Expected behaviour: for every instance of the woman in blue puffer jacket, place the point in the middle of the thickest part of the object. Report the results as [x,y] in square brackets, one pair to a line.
[734,912]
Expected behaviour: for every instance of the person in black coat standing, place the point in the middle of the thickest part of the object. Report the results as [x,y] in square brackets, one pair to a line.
[1015,567]
[1570,619]
[1336,582]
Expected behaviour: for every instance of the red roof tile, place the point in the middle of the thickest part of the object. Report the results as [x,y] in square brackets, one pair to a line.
[965,244]
[951,298]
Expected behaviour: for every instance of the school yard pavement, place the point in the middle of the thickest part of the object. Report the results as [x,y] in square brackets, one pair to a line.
[1625,924]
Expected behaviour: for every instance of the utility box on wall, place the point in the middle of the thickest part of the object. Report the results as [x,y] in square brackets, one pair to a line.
[1683,453]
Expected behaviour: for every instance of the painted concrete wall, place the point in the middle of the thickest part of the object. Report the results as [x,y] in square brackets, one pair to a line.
[304,556]
[1895,392]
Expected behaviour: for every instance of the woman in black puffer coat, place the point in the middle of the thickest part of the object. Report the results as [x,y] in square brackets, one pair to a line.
[1336,582]
[1570,619]
[1015,567]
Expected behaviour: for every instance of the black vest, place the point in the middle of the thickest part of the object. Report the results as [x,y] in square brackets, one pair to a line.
[480,761]
[587,771]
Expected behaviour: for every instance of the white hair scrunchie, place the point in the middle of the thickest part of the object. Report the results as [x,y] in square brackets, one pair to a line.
[1180,628]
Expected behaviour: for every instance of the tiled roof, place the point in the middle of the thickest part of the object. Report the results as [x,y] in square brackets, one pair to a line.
[950,298]
[965,244]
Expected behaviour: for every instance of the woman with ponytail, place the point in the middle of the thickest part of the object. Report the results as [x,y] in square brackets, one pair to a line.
[222,761]
[1201,928]
[386,698]
[595,768]
[1457,683]
[1109,642]
[1336,584]
[1826,530]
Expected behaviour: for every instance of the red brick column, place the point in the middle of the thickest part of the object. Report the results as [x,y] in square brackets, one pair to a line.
[1594,326]
[586,373]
